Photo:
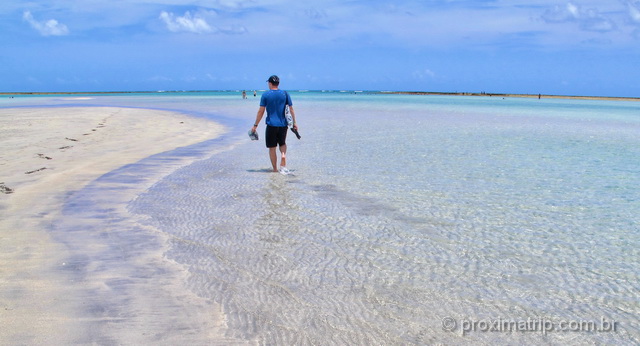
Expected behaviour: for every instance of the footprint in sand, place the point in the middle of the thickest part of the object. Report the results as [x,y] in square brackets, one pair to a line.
[5,189]
[37,170]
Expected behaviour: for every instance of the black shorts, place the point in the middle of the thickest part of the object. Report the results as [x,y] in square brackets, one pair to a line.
[275,136]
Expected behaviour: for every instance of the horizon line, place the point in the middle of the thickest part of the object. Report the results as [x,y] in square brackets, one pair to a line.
[440,93]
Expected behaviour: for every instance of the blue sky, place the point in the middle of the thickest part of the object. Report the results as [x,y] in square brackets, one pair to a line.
[537,46]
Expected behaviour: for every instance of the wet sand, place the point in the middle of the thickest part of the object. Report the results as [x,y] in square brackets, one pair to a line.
[47,154]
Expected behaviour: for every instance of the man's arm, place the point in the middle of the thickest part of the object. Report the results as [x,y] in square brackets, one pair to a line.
[258,118]
[293,116]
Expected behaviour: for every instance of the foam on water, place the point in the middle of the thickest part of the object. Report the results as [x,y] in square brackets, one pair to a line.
[406,211]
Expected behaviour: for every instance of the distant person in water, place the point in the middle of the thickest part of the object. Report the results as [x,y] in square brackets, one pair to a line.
[244,94]
[274,101]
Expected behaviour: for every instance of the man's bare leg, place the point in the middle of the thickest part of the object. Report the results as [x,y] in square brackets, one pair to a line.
[283,153]
[274,158]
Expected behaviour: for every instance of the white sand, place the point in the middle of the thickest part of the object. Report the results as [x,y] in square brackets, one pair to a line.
[63,149]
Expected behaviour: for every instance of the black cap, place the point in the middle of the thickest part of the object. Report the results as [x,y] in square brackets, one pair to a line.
[273,79]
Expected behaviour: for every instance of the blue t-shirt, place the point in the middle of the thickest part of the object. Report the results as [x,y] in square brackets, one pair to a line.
[274,101]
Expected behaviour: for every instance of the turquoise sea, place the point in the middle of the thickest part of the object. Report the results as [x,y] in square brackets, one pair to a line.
[409,220]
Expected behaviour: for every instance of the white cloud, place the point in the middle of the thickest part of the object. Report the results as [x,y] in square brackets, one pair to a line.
[422,74]
[634,12]
[588,19]
[231,4]
[186,23]
[559,14]
[50,27]
[573,10]
[592,20]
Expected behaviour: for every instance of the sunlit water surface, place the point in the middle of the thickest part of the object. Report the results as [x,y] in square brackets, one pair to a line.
[409,220]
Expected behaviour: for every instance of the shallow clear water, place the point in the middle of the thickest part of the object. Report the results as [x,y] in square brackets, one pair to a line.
[406,213]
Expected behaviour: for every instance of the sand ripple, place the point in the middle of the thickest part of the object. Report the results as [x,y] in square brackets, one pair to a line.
[296,262]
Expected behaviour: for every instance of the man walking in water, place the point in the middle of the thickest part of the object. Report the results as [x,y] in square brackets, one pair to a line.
[274,102]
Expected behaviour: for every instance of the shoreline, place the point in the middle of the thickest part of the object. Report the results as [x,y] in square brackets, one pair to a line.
[53,153]
[420,93]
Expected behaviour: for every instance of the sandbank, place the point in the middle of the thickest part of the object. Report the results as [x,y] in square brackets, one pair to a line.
[47,153]
[537,96]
